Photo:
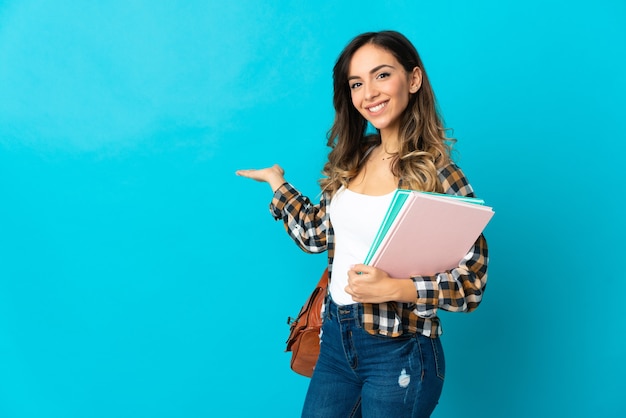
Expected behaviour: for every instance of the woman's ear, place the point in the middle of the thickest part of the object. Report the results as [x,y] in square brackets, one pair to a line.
[415,80]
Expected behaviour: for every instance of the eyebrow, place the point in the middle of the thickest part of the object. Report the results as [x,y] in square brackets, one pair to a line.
[372,71]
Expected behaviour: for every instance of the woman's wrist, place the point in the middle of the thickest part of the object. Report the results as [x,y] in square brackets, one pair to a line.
[405,291]
[275,183]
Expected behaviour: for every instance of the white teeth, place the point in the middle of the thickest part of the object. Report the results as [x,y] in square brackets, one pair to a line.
[377,107]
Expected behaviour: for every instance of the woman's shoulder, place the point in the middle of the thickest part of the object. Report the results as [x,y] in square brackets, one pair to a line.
[449,168]
[454,181]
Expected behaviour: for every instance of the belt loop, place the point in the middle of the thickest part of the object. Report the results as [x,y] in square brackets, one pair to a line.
[331,307]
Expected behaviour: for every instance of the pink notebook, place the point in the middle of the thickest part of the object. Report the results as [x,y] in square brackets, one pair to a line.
[430,234]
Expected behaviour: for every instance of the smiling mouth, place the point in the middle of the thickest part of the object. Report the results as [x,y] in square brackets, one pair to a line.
[377,108]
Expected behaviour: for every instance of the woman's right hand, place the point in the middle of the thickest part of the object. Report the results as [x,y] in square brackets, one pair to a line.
[273,175]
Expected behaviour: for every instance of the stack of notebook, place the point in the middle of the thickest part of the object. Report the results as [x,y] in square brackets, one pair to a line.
[427,233]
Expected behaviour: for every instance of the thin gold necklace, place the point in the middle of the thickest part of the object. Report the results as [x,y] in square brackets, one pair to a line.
[390,155]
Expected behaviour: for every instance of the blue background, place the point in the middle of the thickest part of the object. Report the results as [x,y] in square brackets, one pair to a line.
[139,277]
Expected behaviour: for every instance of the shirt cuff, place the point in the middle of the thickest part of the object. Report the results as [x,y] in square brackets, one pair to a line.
[427,296]
[282,195]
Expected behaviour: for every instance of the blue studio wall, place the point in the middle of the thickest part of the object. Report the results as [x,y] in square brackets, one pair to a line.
[139,277]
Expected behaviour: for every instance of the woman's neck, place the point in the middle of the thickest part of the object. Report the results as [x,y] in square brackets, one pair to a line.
[390,138]
[390,144]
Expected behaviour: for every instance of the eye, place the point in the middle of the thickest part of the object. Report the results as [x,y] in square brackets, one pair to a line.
[382,75]
[355,85]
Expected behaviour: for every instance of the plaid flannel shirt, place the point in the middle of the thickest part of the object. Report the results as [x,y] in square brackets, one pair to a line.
[459,289]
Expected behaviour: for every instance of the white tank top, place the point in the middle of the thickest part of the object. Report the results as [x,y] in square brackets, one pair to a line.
[355,218]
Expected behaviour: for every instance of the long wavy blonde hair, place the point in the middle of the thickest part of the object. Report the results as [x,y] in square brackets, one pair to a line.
[424,147]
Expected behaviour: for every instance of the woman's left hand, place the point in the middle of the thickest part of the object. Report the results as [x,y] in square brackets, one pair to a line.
[367,284]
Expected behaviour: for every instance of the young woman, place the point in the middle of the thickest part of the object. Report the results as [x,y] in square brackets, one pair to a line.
[380,352]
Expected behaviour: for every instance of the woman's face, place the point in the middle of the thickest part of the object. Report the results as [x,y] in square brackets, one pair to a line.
[380,87]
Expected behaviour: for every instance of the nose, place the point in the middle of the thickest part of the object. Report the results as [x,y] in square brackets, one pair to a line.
[370,91]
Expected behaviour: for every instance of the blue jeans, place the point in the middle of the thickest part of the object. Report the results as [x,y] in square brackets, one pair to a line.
[363,375]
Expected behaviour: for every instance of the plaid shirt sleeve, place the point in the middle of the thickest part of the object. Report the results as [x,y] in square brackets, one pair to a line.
[307,224]
[460,289]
